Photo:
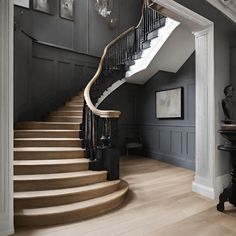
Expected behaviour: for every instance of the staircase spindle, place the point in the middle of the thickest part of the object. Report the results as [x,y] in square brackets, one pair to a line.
[99,128]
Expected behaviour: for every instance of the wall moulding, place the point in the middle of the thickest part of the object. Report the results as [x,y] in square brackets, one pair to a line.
[227,7]
[203,29]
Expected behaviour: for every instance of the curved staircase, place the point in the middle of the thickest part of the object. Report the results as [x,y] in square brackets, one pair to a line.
[54,183]
[52,180]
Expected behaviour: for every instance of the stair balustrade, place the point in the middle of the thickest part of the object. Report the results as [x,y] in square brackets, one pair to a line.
[100,127]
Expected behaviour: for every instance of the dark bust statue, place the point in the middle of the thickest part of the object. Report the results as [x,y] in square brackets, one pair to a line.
[228,105]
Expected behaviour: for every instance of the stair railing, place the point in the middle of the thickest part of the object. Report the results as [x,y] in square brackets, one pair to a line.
[99,124]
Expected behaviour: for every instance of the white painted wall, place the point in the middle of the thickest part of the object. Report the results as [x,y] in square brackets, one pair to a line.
[168,53]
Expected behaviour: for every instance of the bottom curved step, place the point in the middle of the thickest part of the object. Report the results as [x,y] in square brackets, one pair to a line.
[71,212]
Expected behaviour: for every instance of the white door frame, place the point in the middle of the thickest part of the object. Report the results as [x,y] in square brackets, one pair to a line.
[205,179]
[6,117]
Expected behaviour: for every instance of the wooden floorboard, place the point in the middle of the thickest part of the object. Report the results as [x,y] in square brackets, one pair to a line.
[160,202]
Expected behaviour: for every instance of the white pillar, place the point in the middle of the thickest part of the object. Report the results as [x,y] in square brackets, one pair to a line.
[6,117]
[205,178]
[204,182]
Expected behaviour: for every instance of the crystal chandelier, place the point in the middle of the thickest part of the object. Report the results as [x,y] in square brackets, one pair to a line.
[103,7]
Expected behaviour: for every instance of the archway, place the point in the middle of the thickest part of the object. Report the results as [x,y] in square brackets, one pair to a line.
[203,29]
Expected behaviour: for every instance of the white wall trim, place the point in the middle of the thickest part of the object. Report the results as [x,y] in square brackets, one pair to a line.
[6,117]
[226,7]
[204,182]
[203,190]
[184,12]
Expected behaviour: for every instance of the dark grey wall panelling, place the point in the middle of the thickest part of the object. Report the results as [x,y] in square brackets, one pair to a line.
[172,141]
[169,140]
[87,33]
[46,77]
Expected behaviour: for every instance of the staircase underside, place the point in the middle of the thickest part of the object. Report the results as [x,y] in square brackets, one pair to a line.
[52,180]
[174,52]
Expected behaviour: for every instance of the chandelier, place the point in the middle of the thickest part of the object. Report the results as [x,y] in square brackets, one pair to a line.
[104,7]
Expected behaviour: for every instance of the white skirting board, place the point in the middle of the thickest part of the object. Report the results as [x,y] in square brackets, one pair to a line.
[221,182]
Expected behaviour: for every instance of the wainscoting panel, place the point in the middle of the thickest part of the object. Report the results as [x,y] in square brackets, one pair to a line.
[79,77]
[191,146]
[165,140]
[64,76]
[173,144]
[52,75]
[41,80]
[176,142]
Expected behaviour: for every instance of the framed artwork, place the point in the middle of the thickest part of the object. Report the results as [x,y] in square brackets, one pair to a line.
[45,6]
[67,9]
[170,104]
[22,3]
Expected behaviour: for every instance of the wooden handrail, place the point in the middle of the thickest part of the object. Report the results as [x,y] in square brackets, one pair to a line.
[141,19]
[96,111]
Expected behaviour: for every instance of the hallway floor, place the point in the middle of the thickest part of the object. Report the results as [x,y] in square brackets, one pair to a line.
[160,202]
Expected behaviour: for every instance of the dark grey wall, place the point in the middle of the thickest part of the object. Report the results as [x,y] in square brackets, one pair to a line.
[88,33]
[233,67]
[172,141]
[125,99]
[46,77]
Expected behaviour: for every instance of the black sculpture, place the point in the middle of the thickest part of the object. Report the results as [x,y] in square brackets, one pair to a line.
[228,105]
[228,131]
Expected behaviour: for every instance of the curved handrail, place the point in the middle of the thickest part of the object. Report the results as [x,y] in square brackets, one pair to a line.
[141,19]
[96,111]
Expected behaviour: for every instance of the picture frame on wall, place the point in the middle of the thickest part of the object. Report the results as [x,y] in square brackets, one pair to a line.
[45,6]
[170,103]
[22,3]
[67,9]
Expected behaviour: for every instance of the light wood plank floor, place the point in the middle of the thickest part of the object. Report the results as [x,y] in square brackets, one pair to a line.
[160,202]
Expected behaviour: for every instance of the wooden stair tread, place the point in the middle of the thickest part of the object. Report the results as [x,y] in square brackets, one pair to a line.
[64,191]
[50,162]
[57,175]
[58,125]
[48,122]
[48,139]
[79,117]
[72,106]
[47,149]
[74,206]
[66,111]
[45,130]
[42,133]
[52,180]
